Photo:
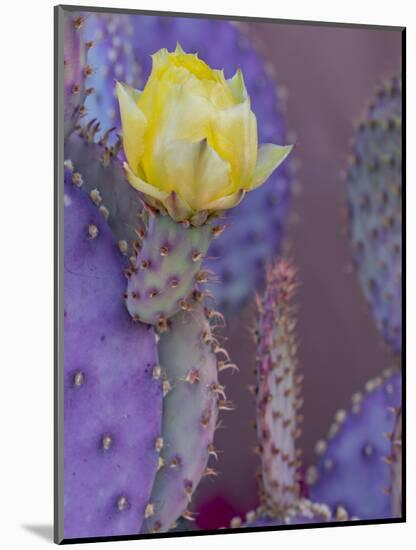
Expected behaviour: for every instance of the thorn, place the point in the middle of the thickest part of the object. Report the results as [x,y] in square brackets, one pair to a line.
[224,405]
[164,250]
[192,376]
[188,515]
[212,451]
[175,462]
[184,305]
[222,365]
[166,387]
[218,350]
[162,325]
[159,444]
[122,504]
[235,523]
[92,231]
[218,389]
[156,372]
[77,179]
[188,485]
[196,256]
[216,230]
[173,282]
[160,463]
[210,472]
[149,510]
[105,212]
[122,244]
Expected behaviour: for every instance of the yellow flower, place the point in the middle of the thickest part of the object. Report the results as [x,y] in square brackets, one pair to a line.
[190,138]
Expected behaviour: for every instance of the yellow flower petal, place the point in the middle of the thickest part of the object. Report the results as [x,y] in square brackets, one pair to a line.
[234,137]
[133,124]
[181,112]
[237,86]
[224,203]
[142,186]
[201,173]
[269,158]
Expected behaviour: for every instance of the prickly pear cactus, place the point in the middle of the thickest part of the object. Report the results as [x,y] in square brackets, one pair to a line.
[76,70]
[375,205]
[99,173]
[112,400]
[193,396]
[395,459]
[166,269]
[122,49]
[353,469]
[278,390]
[278,400]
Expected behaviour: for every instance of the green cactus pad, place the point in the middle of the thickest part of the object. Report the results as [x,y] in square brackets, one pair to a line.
[166,270]
[188,367]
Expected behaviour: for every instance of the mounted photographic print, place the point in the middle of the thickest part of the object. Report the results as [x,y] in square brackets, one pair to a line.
[228,207]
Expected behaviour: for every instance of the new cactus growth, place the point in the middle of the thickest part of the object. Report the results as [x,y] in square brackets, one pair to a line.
[396,466]
[375,205]
[76,71]
[100,174]
[278,400]
[278,390]
[166,269]
[353,469]
[193,396]
[112,401]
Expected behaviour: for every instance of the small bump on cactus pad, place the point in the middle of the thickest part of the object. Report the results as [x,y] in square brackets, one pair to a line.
[112,403]
[353,469]
[193,396]
[375,207]
[166,270]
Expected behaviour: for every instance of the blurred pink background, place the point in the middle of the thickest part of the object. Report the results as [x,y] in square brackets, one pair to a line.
[330,73]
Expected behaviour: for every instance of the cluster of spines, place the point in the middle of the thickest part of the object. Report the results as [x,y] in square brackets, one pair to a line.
[190,360]
[374,194]
[355,440]
[278,392]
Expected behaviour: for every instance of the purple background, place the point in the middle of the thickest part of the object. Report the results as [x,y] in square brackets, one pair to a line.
[330,73]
